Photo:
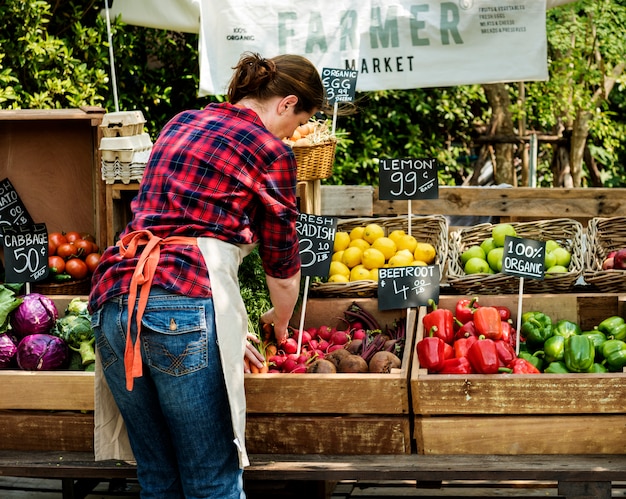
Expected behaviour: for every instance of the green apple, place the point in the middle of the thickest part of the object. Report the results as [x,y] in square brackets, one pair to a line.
[562,256]
[477,265]
[494,258]
[551,245]
[487,245]
[500,231]
[556,269]
[549,260]
[472,252]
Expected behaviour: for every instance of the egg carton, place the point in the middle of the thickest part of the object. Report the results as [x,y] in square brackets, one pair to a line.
[116,171]
[122,124]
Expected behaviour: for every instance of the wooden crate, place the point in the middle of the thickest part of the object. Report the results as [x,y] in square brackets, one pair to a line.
[333,413]
[523,414]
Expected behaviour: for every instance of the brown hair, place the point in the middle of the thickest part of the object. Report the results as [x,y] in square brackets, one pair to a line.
[261,79]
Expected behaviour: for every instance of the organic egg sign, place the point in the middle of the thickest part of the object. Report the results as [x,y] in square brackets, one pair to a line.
[408,179]
[25,252]
[340,84]
[406,287]
[316,236]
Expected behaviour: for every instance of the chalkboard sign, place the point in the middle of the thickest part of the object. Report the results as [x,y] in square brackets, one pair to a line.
[12,209]
[317,237]
[340,84]
[523,257]
[25,252]
[408,179]
[406,287]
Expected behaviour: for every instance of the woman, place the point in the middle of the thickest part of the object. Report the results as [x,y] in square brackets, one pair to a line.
[219,181]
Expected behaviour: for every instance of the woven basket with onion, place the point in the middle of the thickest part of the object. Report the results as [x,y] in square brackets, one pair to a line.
[314,147]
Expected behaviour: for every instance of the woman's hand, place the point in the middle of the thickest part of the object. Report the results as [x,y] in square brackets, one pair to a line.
[252,354]
[280,327]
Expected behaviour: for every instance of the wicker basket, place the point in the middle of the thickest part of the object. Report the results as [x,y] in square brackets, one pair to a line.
[315,161]
[603,236]
[568,233]
[427,229]
[79,287]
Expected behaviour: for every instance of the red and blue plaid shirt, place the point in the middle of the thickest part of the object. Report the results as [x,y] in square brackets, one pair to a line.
[216,172]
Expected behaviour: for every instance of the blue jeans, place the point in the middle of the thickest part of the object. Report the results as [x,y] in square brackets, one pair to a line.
[177,414]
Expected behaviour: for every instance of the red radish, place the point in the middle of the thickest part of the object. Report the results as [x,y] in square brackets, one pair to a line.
[332,348]
[359,334]
[340,338]
[324,332]
[277,360]
[306,337]
[356,325]
[314,344]
[323,345]
[290,345]
[312,331]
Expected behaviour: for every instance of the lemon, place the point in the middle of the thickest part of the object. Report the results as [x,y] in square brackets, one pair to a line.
[338,278]
[362,244]
[395,235]
[351,257]
[419,263]
[342,240]
[359,273]
[373,258]
[337,256]
[407,242]
[338,268]
[374,274]
[373,232]
[425,252]
[357,233]
[386,246]
[402,258]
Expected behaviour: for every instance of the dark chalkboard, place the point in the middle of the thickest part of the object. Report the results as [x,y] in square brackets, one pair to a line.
[316,234]
[25,252]
[408,178]
[12,209]
[524,257]
[406,287]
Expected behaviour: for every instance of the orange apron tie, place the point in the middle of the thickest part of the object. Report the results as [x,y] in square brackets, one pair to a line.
[142,277]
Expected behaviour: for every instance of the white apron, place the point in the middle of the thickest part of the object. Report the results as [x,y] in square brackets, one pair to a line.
[222,261]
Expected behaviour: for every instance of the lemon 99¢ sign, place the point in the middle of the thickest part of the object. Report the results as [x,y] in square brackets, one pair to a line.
[408,179]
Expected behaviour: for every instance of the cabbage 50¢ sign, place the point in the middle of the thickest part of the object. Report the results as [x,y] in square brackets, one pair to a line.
[25,252]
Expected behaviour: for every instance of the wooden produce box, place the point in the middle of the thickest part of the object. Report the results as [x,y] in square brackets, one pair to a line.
[333,413]
[47,410]
[523,414]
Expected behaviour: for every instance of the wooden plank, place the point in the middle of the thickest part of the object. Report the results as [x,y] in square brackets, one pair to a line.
[347,200]
[273,434]
[516,435]
[43,431]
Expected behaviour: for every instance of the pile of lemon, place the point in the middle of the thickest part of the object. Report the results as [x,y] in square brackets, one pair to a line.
[358,254]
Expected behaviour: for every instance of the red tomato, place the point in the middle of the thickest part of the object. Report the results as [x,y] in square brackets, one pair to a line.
[66,250]
[52,249]
[88,237]
[73,236]
[77,268]
[56,264]
[85,246]
[92,260]
[57,238]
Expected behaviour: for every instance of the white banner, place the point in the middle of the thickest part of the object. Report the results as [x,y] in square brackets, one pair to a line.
[399,44]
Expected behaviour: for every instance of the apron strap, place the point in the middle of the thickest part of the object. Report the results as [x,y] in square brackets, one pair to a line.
[142,281]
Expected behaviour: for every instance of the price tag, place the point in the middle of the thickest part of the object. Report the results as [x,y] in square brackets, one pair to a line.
[12,209]
[408,179]
[25,252]
[406,287]
[317,237]
[524,257]
[340,84]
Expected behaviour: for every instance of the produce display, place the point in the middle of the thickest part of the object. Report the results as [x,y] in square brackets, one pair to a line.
[35,337]
[361,345]
[358,254]
[475,339]
[72,256]
[615,260]
[486,257]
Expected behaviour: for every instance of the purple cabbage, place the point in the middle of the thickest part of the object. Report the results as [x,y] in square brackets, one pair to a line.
[36,314]
[41,352]
[8,349]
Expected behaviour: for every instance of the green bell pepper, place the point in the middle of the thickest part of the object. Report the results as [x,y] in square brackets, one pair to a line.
[614,352]
[534,359]
[597,338]
[579,353]
[613,327]
[536,328]
[598,368]
[554,348]
[556,367]
[566,328]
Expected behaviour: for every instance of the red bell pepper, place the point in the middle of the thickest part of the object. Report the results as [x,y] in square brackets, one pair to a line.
[488,322]
[440,321]
[509,334]
[464,310]
[431,353]
[506,353]
[462,345]
[483,356]
[458,365]
[448,351]
[522,366]
[467,329]
[505,312]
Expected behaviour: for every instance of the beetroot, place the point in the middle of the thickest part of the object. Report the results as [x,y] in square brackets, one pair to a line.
[352,364]
[321,366]
[383,362]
